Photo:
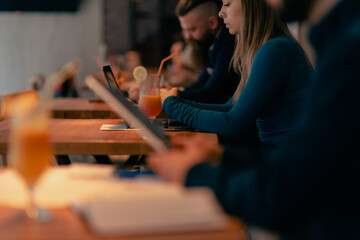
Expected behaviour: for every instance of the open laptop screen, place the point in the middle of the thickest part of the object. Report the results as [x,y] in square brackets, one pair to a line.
[110,78]
[133,117]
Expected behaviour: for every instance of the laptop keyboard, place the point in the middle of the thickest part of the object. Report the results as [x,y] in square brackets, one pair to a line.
[160,122]
[170,124]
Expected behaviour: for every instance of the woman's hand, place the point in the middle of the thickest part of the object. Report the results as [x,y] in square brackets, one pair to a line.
[164,93]
[174,164]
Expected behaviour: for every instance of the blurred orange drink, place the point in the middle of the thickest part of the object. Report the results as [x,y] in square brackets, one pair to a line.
[30,149]
[150,105]
[149,100]
[33,156]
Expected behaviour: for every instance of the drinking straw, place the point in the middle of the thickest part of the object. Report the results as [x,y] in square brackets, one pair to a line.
[160,68]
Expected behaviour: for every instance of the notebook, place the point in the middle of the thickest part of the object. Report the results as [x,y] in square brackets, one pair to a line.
[132,116]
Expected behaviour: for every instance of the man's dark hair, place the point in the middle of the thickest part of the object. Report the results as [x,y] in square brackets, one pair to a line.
[185,6]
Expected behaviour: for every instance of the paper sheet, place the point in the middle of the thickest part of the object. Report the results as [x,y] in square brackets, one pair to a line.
[115,127]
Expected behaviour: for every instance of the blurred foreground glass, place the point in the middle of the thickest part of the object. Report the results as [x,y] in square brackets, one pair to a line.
[8,99]
[150,101]
[30,150]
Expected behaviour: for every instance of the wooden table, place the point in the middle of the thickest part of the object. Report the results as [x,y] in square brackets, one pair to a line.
[67,225]
[83,136]
[81,108]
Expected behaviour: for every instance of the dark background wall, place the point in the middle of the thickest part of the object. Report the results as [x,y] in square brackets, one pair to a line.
[147,26]
[39,5]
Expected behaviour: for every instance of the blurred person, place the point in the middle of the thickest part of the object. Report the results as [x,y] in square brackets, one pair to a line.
[132,60]
[177,46]
[184,70]
[305,188]
[113,60]
[174,68]
[272,92]
[120,66]
[62,84]
[36,82]
[187,66]
[193,57]
[128,62]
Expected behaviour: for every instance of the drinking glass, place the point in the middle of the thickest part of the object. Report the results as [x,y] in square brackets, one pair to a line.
[30,150]
[2,107]
[149,100]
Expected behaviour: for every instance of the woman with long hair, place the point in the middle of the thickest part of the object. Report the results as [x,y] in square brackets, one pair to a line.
[274,73]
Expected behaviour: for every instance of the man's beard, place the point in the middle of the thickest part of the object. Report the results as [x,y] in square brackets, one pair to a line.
[295,10]
[205,42]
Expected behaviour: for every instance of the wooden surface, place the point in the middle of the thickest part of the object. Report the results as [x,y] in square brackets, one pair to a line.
[83,136]
[80,108]
[67,225]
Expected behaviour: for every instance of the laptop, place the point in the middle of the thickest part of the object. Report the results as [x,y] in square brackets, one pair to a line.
[110,78]
[164,123]
[132,116]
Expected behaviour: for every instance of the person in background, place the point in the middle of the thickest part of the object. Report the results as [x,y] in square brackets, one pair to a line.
[187,66]
[305,188]
[67,85]
[272,92]
[62,83]
[36,82]
[184,70]
[113,60]
[202,26]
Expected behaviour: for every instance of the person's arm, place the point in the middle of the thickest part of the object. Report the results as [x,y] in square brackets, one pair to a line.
[209,106]
[173,93]
[269,72]
[216,87]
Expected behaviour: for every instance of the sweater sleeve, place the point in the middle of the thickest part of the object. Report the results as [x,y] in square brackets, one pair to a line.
[209,106]
[269,71]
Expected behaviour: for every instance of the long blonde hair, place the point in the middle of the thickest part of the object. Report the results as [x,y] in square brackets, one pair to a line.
[259,23]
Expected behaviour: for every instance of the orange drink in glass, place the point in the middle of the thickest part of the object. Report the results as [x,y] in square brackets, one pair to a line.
[30,148]
[150,101]
[34,155]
